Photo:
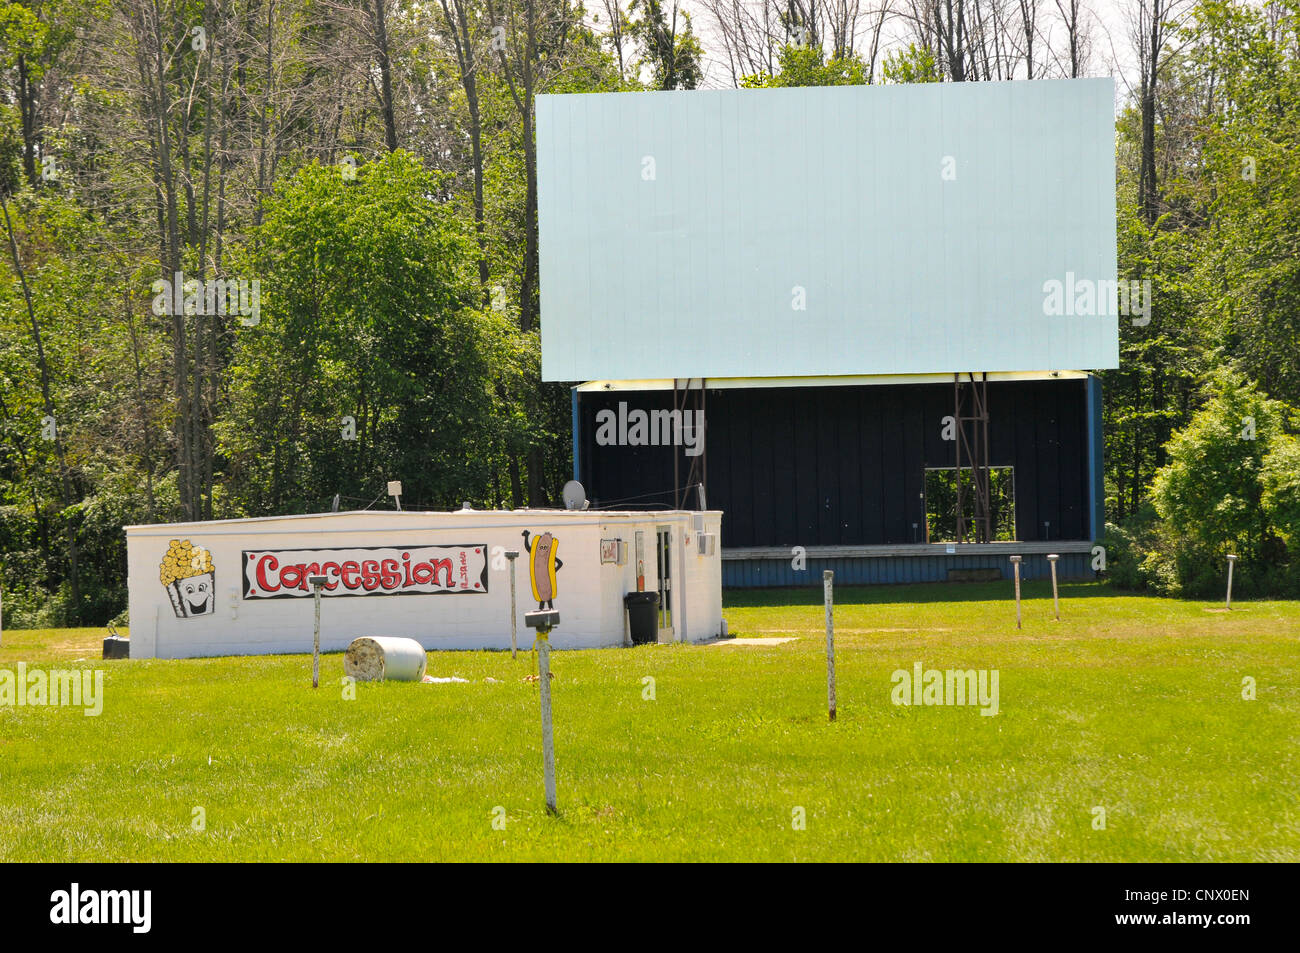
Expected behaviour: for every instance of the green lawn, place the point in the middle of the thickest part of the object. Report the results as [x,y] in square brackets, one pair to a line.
[1132,704]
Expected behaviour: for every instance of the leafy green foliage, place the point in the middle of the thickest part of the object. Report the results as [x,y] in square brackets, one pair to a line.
[913,65]
[228,167]
[372,313]
[1223,263]
[1230,486]
[808,66]
[673,53]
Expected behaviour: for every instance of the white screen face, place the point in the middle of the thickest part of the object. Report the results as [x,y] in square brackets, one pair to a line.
[820,231]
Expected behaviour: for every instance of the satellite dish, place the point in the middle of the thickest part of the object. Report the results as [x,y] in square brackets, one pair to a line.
[575,497]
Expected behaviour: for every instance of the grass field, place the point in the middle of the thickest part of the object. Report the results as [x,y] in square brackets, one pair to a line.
[1132,704]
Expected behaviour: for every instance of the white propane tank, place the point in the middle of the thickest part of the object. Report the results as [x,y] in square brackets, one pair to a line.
[375,658]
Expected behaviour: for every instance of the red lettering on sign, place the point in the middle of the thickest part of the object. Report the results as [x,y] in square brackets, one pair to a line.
[393,570]
[325,571]
[445,566]
[391,574]
[370,574]
[350,568]
[294,577]
[266,562]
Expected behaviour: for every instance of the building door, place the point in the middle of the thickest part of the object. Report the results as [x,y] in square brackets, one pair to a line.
[663,555]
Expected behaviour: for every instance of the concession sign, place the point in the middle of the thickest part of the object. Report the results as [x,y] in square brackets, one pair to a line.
[366,571]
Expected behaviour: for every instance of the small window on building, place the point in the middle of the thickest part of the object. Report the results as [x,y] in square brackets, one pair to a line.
[941,504]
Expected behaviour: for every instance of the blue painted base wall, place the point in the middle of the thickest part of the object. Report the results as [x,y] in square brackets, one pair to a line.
[884,570]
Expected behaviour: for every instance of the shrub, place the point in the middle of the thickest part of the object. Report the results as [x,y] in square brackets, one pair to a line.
[1232,485]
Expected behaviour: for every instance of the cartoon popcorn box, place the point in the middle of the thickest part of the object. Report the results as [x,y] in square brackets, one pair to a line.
[188,576]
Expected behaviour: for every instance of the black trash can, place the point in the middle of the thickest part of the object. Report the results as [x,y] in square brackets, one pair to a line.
[643,616]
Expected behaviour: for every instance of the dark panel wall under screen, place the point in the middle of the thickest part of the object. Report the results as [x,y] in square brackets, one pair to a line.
[815,466]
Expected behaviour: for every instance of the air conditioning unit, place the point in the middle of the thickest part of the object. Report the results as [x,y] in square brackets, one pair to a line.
[708,543]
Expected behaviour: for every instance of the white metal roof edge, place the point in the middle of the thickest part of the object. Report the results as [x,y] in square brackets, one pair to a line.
[842,380]
[527,515]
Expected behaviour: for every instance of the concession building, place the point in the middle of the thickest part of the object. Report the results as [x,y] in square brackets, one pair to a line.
[242,586]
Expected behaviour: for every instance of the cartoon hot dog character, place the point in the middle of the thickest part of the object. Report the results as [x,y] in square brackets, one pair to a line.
[187,574]
[543,564]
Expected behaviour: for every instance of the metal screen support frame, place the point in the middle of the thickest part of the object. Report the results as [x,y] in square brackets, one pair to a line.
[973,449]
[697,475]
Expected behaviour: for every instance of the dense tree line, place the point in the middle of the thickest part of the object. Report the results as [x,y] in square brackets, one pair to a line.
[262,252]
[1209,198]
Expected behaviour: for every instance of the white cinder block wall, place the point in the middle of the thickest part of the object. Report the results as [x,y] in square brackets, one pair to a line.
[589,593]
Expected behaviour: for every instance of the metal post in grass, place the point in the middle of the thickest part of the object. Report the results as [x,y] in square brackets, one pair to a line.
[1231,559]
[1015,562]
[543,621]
[828,590]
[548,738]
[1056,599]
[512,555]
[316,583]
